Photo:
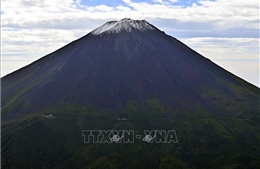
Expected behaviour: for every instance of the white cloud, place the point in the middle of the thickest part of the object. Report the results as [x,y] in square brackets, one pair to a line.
[159,1]
[32,44]
[225,48]
[224,14]
[103,8]
[127,1]
[245,69]
[237,55]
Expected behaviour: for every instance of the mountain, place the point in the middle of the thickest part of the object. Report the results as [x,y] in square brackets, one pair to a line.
[130,70]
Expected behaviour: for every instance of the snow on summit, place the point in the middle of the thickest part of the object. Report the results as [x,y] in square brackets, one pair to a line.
[124,24]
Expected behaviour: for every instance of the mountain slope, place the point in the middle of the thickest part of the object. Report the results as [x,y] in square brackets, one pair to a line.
[128,75]
[109,67]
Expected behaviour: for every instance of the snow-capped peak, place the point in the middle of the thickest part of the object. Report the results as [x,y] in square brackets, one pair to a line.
[124,24]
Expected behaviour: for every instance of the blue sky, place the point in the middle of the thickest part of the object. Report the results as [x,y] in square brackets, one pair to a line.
[120,2]
[226,32]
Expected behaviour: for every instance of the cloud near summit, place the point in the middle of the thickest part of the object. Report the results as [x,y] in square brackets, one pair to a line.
[69,14]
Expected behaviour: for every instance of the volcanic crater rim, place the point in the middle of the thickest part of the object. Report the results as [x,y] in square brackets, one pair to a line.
[126,24]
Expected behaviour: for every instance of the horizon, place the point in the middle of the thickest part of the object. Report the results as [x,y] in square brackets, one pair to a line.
[232,43]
